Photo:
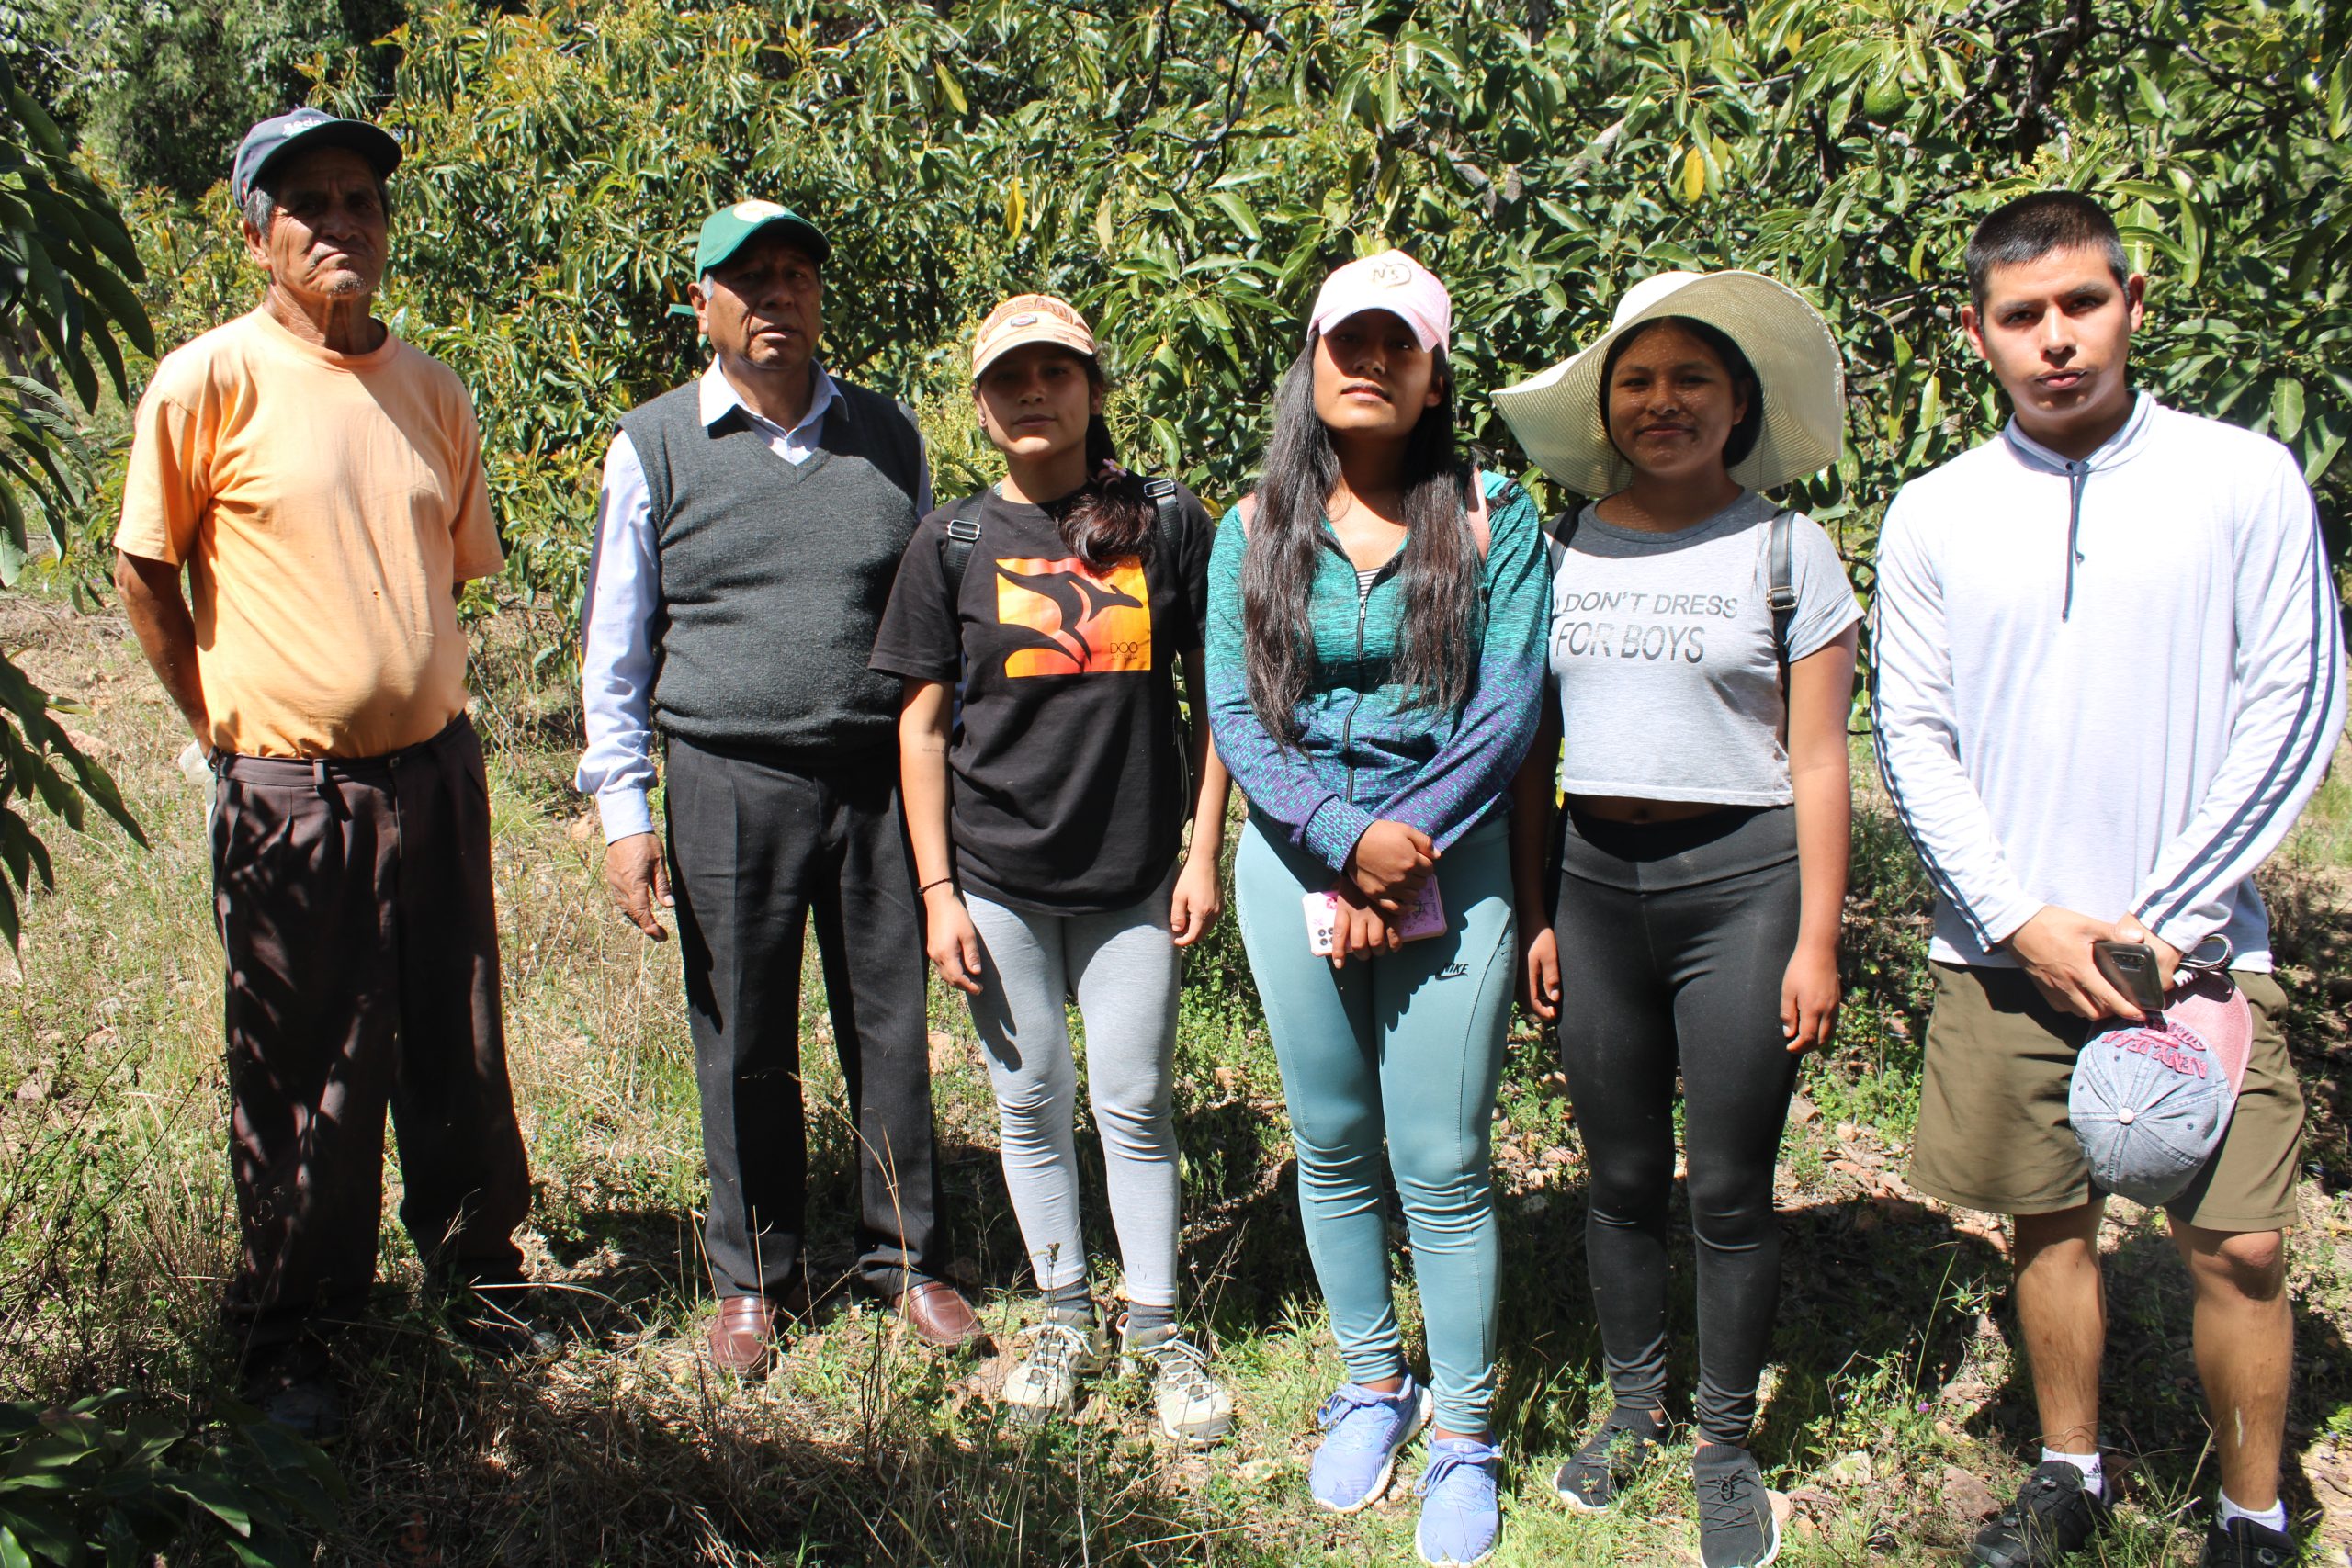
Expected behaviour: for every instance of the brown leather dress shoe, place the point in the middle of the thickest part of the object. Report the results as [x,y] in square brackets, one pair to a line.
[937,1311]
[742,1338]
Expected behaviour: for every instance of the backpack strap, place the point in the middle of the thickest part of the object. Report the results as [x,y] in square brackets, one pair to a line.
[1781,593]
[956,556]
[1167,511]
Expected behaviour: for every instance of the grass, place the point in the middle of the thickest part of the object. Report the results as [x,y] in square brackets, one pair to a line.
[1895,1413]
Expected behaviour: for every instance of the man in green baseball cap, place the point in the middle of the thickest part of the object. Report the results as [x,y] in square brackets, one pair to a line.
[747,535]
[726,230]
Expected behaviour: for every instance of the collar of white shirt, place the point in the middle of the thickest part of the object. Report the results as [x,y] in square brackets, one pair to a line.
[717,398]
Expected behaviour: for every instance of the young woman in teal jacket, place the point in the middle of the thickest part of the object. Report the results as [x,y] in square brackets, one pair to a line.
[1375,663]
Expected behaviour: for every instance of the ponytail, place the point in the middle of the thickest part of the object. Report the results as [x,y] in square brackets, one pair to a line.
[1111,519]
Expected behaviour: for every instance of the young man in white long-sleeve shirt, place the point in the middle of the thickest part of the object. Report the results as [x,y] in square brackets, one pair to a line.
[2111,672]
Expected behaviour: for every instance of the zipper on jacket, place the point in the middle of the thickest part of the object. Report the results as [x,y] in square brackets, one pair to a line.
[2076,474]
[1348,727]
[1363,605]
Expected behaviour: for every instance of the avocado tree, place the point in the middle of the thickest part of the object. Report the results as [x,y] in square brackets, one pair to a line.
[1185,169]
[67,267]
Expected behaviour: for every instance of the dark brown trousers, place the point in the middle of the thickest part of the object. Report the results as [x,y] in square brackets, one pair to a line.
[354,901]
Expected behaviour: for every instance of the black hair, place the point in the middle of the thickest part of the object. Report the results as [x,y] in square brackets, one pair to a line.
[1112,520]
[2032,226]
[1437,574]
[1750,428]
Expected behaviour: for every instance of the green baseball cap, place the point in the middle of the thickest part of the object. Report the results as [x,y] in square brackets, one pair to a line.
[729,229]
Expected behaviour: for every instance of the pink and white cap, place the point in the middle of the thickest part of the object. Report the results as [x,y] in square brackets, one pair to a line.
[1394,282]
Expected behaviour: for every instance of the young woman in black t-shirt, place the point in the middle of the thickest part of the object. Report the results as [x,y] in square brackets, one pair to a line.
[1047,782]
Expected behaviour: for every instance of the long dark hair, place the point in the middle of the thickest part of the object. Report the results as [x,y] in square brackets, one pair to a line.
[1439,571]
[1110,519]
[1743,435]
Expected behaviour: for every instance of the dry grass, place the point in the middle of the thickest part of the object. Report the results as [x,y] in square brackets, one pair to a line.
[1896,1410]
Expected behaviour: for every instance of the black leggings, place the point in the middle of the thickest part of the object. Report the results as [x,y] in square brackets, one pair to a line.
[1673,938]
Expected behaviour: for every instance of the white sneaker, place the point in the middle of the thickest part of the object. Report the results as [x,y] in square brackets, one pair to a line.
[1045,1383]
[1191,1405]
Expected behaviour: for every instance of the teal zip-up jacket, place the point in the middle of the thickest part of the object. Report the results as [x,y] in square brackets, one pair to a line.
[1367,751]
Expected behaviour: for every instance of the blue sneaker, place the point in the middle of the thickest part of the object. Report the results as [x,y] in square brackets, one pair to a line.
[1352,1468]
[1461,1520]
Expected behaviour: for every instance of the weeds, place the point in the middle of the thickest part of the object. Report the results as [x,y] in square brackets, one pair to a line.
[1895,1413]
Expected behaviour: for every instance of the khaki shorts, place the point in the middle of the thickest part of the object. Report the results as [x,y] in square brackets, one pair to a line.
[1994,1133]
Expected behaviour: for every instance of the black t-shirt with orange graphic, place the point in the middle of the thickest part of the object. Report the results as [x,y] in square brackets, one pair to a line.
[1066,784]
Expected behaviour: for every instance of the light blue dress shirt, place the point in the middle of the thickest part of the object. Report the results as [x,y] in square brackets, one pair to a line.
[624,595]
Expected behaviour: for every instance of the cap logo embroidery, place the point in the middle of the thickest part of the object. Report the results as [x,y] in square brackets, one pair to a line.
[1390,273]
[1026,319]
[747,210]
[2169,1046]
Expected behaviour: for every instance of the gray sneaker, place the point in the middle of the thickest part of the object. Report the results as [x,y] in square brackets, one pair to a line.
[1191,1405]
[1058,1354]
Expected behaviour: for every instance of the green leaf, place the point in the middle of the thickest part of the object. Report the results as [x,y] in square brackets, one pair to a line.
[1236,210]
[2286,407]
[222,1499]
[950,87]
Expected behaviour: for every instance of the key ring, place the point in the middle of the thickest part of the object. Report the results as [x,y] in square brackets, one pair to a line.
[2191,960]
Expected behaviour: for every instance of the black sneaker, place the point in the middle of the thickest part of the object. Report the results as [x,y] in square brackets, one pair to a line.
[2051,1516]
[305,1405]
[2244,1543]
[1610,1460]
[1737,1526]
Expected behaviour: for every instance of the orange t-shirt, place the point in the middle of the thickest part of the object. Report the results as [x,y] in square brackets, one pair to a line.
[326,505]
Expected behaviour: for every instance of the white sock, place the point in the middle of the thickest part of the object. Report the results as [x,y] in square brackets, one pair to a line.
[2094,1472]
[2273,1518]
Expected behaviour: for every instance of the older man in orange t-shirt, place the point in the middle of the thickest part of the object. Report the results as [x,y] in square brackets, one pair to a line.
[321,482]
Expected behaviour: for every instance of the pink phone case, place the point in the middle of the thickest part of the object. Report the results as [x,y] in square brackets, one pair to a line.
[1426,917]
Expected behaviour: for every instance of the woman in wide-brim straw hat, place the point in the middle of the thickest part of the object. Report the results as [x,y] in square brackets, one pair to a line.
[1700,746]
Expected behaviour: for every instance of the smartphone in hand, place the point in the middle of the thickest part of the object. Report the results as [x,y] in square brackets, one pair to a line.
[2131,968]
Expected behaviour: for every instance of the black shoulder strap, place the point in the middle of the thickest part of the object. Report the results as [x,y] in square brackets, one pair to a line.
[1171,511]
[1168,508]
[1782,593]
[1563,526]
[955,555]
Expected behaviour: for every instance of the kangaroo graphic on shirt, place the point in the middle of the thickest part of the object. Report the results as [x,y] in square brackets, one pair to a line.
[1080,623]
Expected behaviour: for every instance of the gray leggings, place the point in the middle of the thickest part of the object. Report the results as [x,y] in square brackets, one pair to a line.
[1126,973]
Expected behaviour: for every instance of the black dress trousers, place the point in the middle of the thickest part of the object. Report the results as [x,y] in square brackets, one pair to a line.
[757,848]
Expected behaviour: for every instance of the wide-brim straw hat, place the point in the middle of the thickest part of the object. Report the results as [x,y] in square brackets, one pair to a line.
[1556,413]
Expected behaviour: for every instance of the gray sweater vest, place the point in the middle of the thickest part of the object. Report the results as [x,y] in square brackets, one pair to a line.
[775,575]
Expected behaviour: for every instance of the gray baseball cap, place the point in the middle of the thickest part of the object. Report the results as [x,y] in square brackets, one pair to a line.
[281,136]
[2150,1102]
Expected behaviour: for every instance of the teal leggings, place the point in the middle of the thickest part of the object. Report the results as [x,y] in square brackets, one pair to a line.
[1408,1048]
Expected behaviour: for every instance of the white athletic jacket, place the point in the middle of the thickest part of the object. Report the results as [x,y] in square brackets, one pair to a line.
[2107,685]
